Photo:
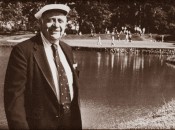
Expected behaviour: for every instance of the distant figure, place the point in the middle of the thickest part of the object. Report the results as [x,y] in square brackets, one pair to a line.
[122,30]
[116,30]
[99,41]
[129,36]
[135,29]
[139,30]
[80,33]
[143,30]
[163,38]
[113,33]
[64,34]
[125,29]
[106,30]
[113,39]
[92,33]
[118,36]
[151,37]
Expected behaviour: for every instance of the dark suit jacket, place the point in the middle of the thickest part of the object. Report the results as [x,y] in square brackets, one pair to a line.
[29,92]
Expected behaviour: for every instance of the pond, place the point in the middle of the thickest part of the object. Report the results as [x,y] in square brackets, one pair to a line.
[120,87]
[114,88]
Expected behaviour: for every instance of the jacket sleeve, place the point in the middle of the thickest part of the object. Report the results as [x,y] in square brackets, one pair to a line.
[14,88]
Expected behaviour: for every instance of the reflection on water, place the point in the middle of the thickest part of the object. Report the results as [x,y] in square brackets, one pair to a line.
[121,87]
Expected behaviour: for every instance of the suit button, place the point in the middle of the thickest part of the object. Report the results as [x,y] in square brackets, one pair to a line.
[56,116]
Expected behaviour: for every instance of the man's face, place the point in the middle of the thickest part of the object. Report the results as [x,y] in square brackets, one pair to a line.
[53,25]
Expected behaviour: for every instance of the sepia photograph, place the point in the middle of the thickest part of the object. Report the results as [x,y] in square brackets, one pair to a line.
[87,64]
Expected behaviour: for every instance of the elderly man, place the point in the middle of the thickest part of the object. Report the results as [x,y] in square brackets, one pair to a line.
[41,83]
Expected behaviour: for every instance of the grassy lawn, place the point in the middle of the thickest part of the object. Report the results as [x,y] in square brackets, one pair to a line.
[16,38]
[71,36]
[135,37]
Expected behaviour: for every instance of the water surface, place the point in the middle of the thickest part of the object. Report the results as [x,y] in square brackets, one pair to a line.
[121,87]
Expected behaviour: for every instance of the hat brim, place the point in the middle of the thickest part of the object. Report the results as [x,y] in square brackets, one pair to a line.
[60,7]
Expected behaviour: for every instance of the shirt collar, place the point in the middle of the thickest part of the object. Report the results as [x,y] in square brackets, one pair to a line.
[46,42]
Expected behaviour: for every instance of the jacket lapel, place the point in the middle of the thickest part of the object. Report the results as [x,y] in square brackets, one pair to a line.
[67,51]
[42,62]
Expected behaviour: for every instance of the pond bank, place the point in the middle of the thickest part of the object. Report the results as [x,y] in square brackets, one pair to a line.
[171,60]
[162,118]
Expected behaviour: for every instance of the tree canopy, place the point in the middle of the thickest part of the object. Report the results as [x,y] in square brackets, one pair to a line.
[157,16]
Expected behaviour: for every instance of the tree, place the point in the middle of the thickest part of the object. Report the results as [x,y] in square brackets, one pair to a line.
[171,20]
[93,14]
[160,19]
[155,15]
[29,9]
[72,21]
[11,13]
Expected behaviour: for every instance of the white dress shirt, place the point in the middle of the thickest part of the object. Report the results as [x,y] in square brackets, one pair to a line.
[50,58]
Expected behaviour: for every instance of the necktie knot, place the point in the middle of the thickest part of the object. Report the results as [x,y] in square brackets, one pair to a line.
[54,47]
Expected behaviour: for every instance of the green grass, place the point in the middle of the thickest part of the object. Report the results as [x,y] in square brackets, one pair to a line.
[4,38]
[135,37]
[161,118]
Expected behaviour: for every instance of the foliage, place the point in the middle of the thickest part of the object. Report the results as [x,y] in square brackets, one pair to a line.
[93,15]
[30,8]
[11,13]
[72,20]
[157,16]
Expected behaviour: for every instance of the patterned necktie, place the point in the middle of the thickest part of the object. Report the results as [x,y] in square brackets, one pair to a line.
[65,98]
